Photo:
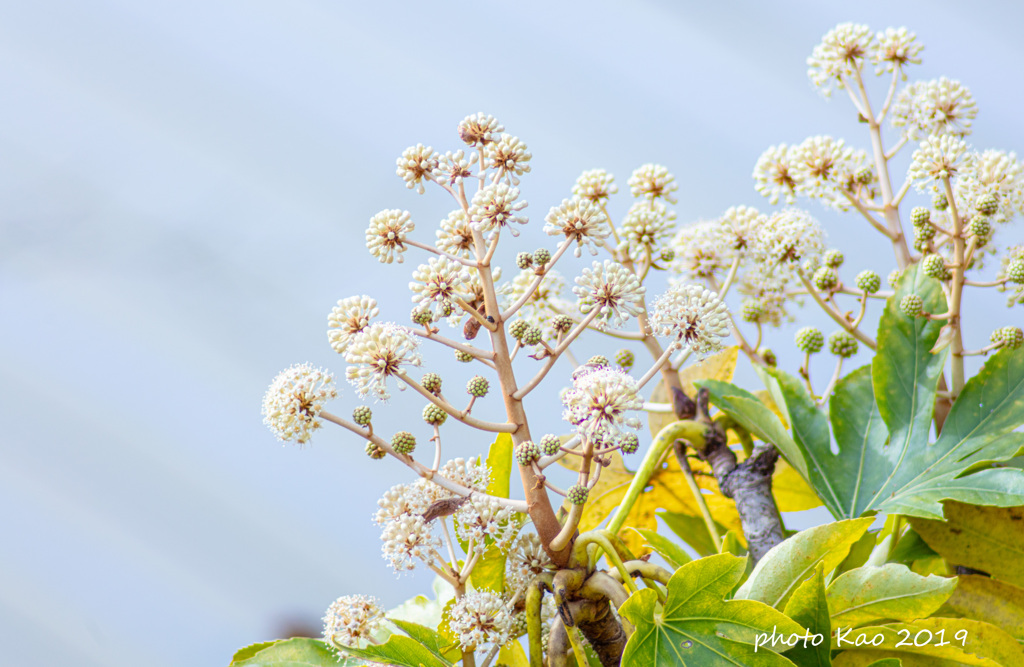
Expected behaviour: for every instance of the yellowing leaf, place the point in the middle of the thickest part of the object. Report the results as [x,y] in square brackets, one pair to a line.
[720,366]
[985,599]
[792,493]
[990,539]
[982,644]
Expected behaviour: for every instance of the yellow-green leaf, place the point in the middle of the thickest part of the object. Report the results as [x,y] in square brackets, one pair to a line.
[499,460]
[809,607]
[967,642]
[990,539]
[787,565]
[891,592]
[989,600]
[719,366]
[512,655]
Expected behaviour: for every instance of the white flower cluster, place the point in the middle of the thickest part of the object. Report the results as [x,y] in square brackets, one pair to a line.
[455,236]
[612,289]
[495,207]
[597,185]
[991,173]
[773,174]
[377,353]
[352,619]
[895,48]
[934,108]
[480,618]
[526,559]
[483,521]
[407,537]
[839,56]
[479,129]
[508,157]
[348,318]
[601,401]
[787,239]
[579,220]
[292,404]
[385,237]
[437,284]
[653,181]
[694,316]
[417,164]
[821,168]
[453,168]
[937,157]
[645,229]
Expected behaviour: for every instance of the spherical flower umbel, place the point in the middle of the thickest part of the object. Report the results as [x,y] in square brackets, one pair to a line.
[455,236]
[527,452]
[842,344]
[477,386]
[934,108]
[693,315]
[292,404]
[550,444]
[377,353]
[579,220]
[481,618]
[406,539]
[385,237]
[611,289]
[437,283]
[790,237]
[417,164]
[773,174]
[653,181]
[597,185]
[601,400]
[526,559]
[352,619]
[495,207]
[453,168]
[912,305]
[484,522]
[577,494]
[434,415]
[937,158]
[647,226]
[894,49]
[841,53]
[479,129]
[348,318]
[508,157]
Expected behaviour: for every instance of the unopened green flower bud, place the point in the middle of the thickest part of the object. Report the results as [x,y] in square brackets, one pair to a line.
[561,323]
[421,316]
[527,453]
[625,359]
[809,340]
[478,386]
[751,310]
[825,278]
[842,344]
[577,494]
[987,204]
[939,201]
[667,254]
[920,215]
[1011,337]
[935,266]
[1015,271]
[923,233]
[598,360]
[768,355]
[464,357]
[518,328]
[864,175]
[894,278]
[833,258]
[447,308]
[550,444]
[375,451]
[362,415]
[403,442]
[912,305]
[630,443]
[532,336]
[434,415]
[432,383]
[868,281]
[524,260]
[541,256]
[980,226]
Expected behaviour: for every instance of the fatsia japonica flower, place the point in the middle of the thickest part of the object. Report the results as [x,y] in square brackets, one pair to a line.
[602,400]
[694,316]
[292,404]
[352,619]
[348,318]
[377,353]
[612,290]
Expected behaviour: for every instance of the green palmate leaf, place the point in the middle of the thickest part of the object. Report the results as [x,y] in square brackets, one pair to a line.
[298,652]
[781,570]
[673,554]
[905,474]
[910,548]
[697,626]
[886,662]
[731,545]
[905,373]
[422,648]
[891,592]
[691,529]
[988,600]
[757,418]
[990,539]
[920,644]
[808,606]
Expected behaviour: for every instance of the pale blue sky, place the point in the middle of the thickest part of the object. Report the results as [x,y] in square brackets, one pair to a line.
[183,190]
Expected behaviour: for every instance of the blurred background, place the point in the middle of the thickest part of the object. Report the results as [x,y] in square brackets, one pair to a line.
[183,192]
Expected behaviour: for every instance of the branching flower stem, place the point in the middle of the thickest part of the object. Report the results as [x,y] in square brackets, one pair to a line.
[461,415]
[562,347]
[956,291]
[419,468]
[837,316]
[532,289]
